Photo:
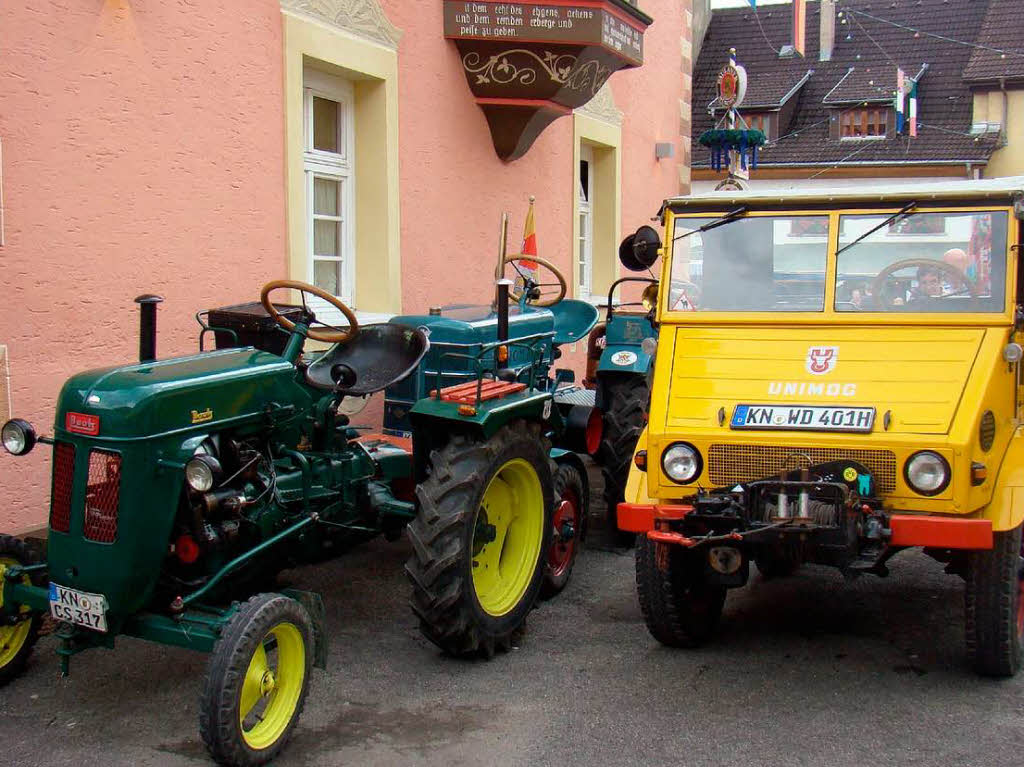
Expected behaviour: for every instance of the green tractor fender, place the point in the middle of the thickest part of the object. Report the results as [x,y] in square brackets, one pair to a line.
[434,420]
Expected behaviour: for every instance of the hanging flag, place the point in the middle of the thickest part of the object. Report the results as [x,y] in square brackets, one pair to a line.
[529,239]
[913,108]
[799,25]
[753,3]
[900,84]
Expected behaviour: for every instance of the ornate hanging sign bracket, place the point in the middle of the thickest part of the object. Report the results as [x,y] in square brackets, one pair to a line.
[528,64]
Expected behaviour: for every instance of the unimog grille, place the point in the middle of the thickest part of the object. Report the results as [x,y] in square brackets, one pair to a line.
[63,479]
[732,464]
[102,496]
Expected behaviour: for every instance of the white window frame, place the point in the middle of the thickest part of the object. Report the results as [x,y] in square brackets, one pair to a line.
[585,244]
[338,167]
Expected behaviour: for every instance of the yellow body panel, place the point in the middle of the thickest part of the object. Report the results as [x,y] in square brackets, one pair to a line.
[930,378]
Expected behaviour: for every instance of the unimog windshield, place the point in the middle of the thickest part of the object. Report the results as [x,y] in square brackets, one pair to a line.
[911,262]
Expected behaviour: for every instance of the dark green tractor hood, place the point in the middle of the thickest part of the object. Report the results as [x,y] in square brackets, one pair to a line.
[198,392]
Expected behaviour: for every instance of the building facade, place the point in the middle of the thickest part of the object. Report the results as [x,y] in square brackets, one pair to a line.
[830,115]
[200,150]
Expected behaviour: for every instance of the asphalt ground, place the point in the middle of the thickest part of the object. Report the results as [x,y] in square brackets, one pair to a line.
[805,670]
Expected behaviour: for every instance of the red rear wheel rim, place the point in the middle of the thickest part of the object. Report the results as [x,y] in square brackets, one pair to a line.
[561,553]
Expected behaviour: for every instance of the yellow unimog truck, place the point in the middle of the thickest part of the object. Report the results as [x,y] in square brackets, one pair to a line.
[837,379]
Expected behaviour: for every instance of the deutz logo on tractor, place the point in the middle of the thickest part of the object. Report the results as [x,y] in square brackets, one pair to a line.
[79,423]
[822,359]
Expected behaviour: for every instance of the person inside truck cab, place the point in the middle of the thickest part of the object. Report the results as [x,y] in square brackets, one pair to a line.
[929,283]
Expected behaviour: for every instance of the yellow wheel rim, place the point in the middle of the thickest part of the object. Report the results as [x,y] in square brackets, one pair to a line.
[272,686]
[12,638]
[507,537]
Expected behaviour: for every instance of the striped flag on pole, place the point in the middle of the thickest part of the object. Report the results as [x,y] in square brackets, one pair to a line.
[799,25]
[913,108]
[529,239]
[900,97]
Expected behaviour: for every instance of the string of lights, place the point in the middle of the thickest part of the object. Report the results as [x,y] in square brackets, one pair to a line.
[1003,52]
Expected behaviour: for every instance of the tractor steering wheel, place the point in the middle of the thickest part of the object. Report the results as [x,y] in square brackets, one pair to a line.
[879,285]
[339,336]
[532,290]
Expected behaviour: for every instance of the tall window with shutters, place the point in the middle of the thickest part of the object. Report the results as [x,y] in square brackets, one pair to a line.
[330,183]
[585,208]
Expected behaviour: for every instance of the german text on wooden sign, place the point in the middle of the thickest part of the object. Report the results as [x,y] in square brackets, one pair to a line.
[529,63]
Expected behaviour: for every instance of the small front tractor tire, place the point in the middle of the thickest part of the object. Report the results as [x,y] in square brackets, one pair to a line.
[568,528]
[626,400]
[994,606]
[256,681]
[16,639]
[480,539]
[680,608]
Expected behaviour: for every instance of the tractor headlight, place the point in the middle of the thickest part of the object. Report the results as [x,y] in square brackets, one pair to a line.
[681,462]
[18,436]
[202,472]
[927,473]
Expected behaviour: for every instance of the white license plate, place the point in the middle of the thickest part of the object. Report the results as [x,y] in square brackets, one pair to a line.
[78,607]
[805,417]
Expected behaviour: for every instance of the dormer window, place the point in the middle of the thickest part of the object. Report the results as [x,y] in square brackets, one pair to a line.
[761,121]
[864,122]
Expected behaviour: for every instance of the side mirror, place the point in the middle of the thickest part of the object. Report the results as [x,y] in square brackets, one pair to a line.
[639,251]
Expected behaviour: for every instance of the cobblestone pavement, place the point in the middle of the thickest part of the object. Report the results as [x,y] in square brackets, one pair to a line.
[808,670]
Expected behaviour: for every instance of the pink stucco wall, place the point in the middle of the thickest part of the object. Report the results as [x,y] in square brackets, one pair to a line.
[143,152]
[454,188]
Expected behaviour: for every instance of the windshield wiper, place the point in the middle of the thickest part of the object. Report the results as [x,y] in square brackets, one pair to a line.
[905,212]
[728,218]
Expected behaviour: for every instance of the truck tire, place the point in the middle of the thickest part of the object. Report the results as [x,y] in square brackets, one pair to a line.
[17,639]
[679,607]
[570,508]
[256,681]
[994,606]
[626,399]
[480,539]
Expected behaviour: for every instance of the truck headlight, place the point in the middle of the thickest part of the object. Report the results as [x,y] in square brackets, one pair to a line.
[681,462]
[202,472]
[18,436]
[927,473]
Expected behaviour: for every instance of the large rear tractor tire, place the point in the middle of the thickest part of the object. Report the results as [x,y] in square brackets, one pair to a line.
[17,638]
[994,606]
[679,607]
[568,528]
[256,681]
[480,539]
[626,401]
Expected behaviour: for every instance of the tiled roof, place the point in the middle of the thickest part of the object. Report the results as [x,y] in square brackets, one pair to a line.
[873,50]
[1002,29]
[863,84]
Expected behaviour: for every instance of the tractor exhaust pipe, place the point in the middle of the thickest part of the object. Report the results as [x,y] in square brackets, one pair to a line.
[147,326]
[502,308]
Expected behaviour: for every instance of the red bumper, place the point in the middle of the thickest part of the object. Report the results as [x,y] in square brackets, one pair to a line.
[907,529]
[640,517]
[940,532]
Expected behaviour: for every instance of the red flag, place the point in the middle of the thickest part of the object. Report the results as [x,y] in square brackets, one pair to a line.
[529,239]
[799,23]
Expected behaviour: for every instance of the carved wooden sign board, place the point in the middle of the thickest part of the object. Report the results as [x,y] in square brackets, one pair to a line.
[529,63]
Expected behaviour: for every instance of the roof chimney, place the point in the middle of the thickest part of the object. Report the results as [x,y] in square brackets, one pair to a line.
[827,38]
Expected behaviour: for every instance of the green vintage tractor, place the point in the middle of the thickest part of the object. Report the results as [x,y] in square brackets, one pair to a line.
[602,417]
[181,487]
